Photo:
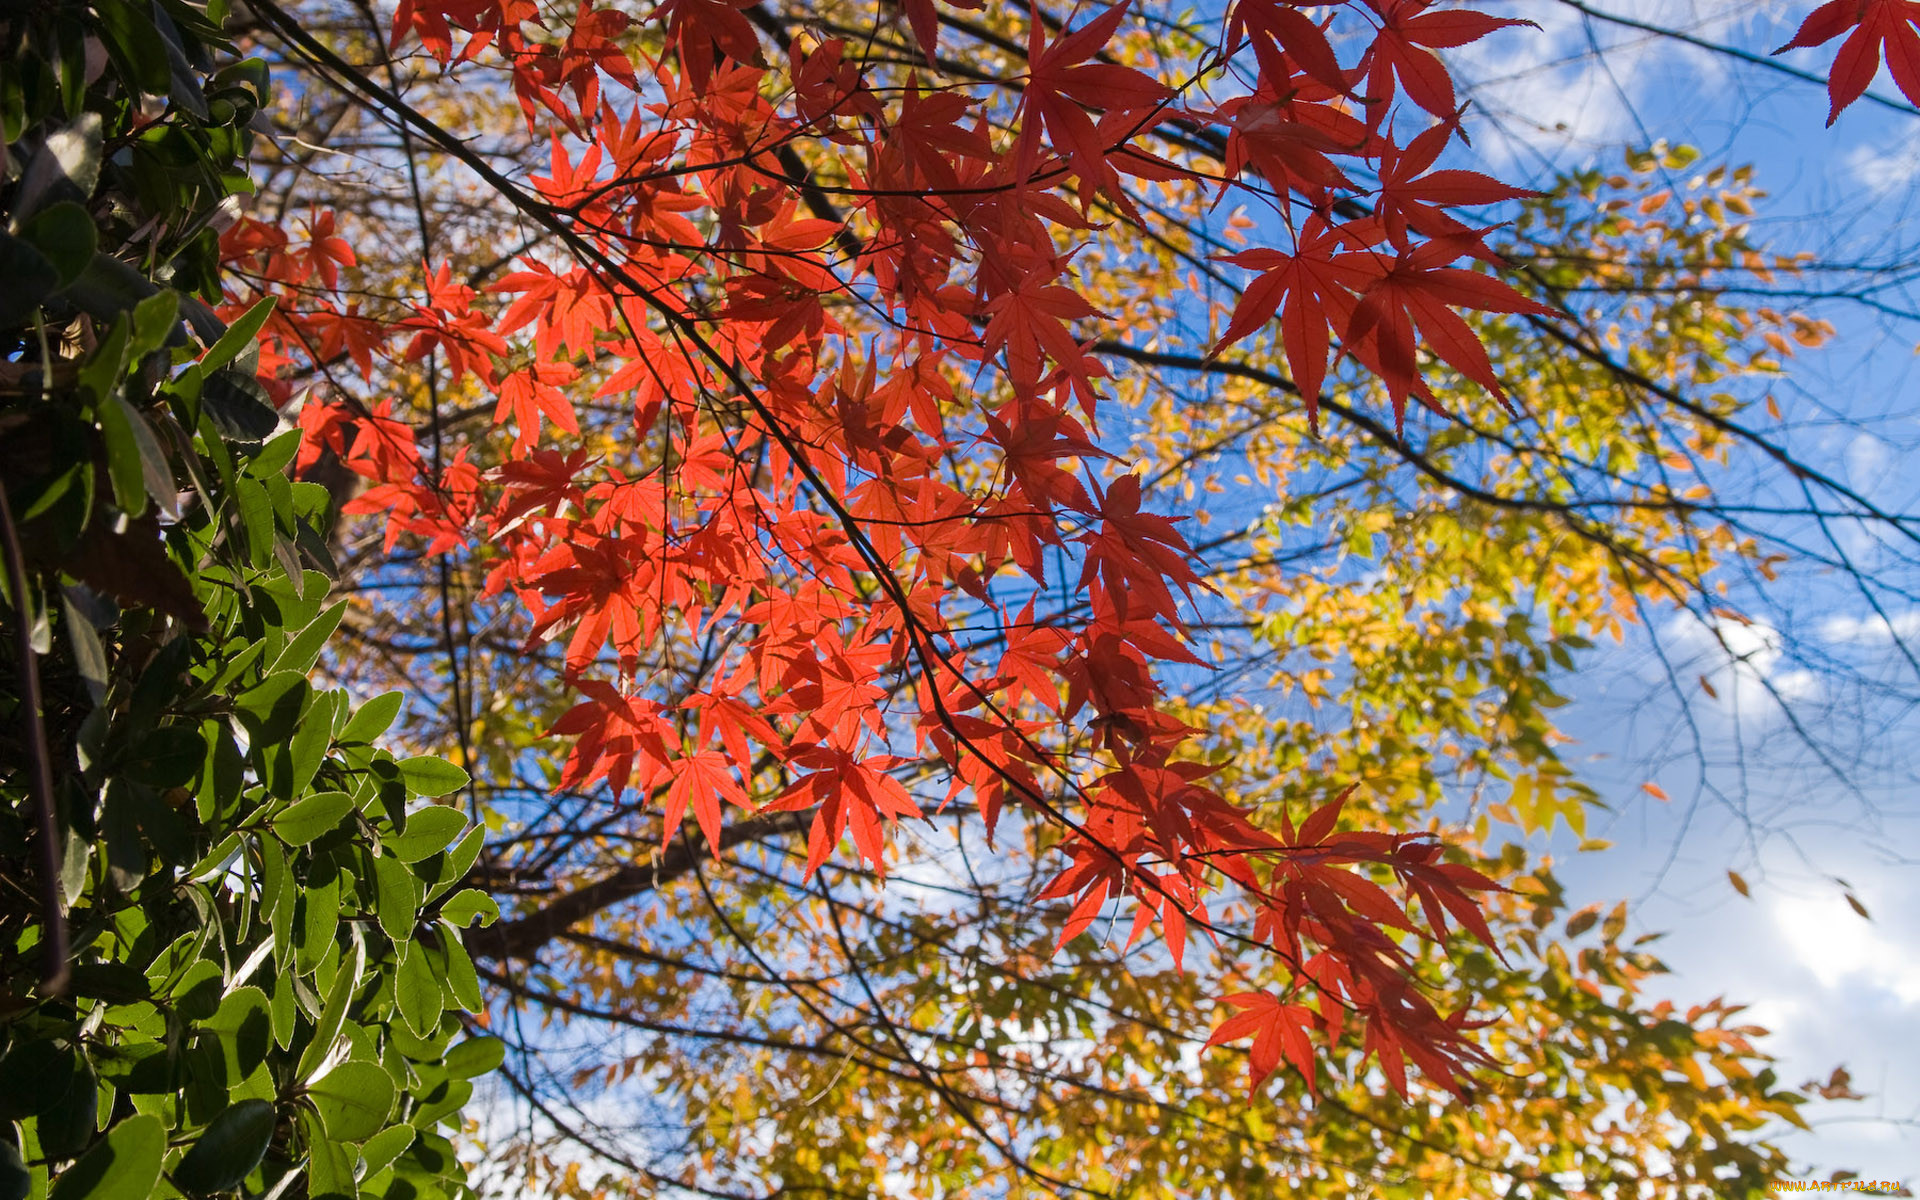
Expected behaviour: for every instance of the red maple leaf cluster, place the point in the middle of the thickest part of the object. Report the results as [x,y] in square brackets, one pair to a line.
[790,481]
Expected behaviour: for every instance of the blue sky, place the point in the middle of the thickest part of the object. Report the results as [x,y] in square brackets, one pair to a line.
[1805,821]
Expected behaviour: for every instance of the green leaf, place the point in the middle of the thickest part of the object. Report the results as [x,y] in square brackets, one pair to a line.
[244,1027]
[397,898]
[463,983]
[229,1149]
[454,865]
[125,1165]
[475,1056]
[379,1151]
[197,994]
[353,1100]
[256,516]
[304,650]
[317,814]
[329,1165]
[466,904]
[156,321]
[333,1013]
[132,39]
[215,859]
[275,455]
[417,992]
[65,235]
[89,656]
[156,471]
[107,289]
[371,719]
[30,280]
[114,982]
[320,918]
[16,1182]
[430,776]
[271,711]
[444,1101]
[429,831]
[67,1126]
[124,465]
[169,756]
[239,336]
[238,405]
[66,168]
[309,746]
[284,1011]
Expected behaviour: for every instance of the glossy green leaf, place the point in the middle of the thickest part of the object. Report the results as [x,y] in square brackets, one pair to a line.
[329,1164]
[304,650]
[429,831]
[319,813]
[475,1056]
[371,719]
[228,1150]
[430,776]
[353,1100]
[333,1014]
[464,906]
[417,991]
[124,1165]
[397,898]
[379,1151]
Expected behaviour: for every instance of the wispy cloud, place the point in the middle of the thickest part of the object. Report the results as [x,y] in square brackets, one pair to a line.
[1741,664]
[1874,630]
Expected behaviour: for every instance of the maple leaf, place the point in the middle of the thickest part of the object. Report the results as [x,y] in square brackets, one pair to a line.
[590,51]
[707,29]
[1410,199]
[339,331]
[326,250]
[530,393]
[1278,26]
[618,734]
[1279,1033]
[852,793]
[1404,49]
[924,20]
[702,780]
[1312,289]
[544,482]
[1893,24]
[1135,554]
[1418,289]
[1062,83]
[1030,322]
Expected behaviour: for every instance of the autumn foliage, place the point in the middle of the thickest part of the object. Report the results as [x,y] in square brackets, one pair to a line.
[815,288]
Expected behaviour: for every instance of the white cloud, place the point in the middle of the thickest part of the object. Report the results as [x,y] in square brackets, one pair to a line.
[1741,662]
[1875,630]
[1882,170]
[1844,950]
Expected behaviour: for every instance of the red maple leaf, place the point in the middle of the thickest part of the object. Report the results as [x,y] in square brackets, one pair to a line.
[618,733]
[1405,45]
[1278,1030]
[1420,289]
[1313,291]
[530,393]
[1061,84]
[1894,24]
[702,780]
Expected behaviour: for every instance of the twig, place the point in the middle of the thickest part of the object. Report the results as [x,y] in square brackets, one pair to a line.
[53,938]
